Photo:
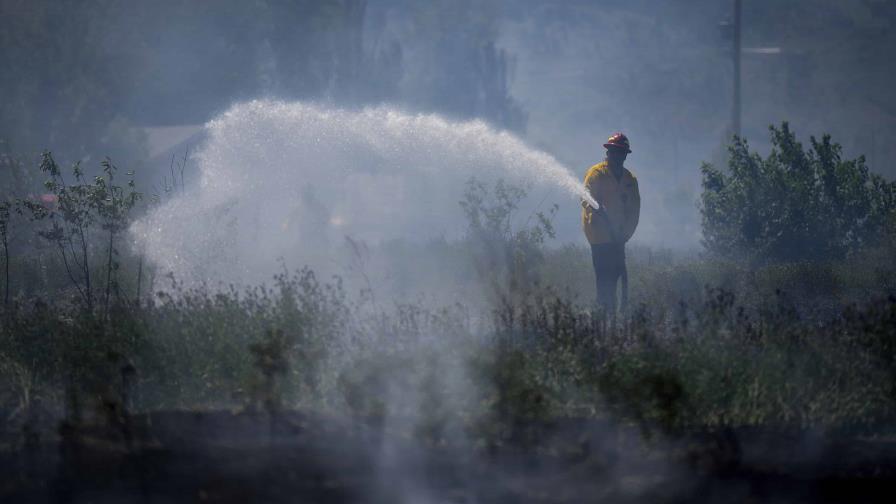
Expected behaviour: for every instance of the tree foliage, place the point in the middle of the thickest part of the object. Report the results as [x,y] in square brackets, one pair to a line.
[506,257]
[796,203]
[74,213]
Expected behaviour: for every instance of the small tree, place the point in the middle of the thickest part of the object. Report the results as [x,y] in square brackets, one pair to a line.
[794,204]
[72,214]
[504,257]
[113,207]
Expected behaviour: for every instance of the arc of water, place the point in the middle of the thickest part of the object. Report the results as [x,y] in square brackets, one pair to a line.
[277,176]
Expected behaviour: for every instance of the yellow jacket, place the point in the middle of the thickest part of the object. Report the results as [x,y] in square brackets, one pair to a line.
[620,205]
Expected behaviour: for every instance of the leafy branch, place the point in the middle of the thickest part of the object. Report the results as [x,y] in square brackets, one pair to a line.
[74,213]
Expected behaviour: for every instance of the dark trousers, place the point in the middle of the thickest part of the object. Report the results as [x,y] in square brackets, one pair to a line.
[609,266]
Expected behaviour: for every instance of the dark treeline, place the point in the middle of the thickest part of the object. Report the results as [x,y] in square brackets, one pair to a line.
[85,79]
[75,72]
[78,75]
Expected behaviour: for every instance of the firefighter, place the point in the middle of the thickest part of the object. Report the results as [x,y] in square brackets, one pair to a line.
[613,223]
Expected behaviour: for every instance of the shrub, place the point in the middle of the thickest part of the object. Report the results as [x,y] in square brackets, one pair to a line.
[506,258]
[794,204]
[84,222]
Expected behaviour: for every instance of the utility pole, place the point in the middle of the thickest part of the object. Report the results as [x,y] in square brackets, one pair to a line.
[736,53]
[730,30]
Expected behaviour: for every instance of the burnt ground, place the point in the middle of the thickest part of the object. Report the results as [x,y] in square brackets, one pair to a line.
[219,456]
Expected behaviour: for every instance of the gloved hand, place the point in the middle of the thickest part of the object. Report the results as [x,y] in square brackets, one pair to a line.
[587,205]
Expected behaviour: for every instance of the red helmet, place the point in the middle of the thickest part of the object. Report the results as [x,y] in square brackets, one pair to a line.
[618,140]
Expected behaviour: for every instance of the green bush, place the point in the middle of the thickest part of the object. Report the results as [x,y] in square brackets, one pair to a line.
[794,204]
[506,258]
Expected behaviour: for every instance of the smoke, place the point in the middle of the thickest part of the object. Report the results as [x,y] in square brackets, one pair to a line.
[285,184]
[583,73]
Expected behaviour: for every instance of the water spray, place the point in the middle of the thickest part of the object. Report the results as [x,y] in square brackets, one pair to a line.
[291,180]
